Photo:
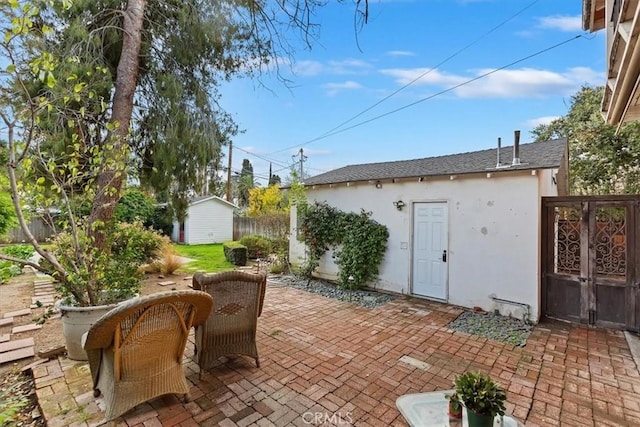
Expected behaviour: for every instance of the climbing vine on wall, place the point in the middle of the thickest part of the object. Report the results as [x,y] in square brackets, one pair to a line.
[359,241]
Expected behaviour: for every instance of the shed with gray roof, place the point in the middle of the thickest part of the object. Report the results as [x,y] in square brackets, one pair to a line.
[209,219]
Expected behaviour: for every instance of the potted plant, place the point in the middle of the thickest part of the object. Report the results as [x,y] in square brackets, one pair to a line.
[455,406]
[91,288]
[483,398]
[67,122]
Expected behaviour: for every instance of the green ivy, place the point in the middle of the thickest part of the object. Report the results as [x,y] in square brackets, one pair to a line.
[360,242]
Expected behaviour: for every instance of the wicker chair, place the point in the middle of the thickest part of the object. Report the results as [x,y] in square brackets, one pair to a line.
[231,328]
[135,350]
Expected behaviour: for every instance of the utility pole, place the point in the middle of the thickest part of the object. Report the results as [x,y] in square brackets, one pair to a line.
[303,158]
[229,172]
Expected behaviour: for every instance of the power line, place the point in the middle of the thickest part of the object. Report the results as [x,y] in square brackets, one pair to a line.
[400,89]
[442,92]
[277,162]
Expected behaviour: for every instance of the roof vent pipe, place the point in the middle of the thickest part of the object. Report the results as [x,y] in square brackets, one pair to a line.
[499,163]
[516,147]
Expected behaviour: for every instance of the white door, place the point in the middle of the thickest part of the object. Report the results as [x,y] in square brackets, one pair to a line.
[430,257]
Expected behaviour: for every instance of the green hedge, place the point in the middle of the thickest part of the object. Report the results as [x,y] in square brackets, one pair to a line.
[257,246]
[235,253]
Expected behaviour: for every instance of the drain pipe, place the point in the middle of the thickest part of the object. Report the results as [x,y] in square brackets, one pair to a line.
[527,307]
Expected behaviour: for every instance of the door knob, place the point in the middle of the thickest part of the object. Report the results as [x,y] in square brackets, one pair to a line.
[444,256]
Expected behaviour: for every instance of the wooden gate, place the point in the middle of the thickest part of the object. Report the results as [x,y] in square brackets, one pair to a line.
[591,260]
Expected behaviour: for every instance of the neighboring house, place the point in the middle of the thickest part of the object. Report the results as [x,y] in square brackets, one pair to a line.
[621,18]
[209,220]
[461,228]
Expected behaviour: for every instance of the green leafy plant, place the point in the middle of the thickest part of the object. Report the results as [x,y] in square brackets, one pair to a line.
[257,246]
[360,242]
[19,251]
[12,399]
[113,277]
[10,269]
[455,406]
[480,394]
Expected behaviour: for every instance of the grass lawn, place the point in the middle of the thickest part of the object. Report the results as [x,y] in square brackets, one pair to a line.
[208,258]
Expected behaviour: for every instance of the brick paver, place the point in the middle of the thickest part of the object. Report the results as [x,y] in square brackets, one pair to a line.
[326,361]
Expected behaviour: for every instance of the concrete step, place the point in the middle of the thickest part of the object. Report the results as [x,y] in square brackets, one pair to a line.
[21,353]
[25,328]
[17,313]
[14,345]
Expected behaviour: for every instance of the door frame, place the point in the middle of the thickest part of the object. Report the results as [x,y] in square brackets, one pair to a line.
[412,203]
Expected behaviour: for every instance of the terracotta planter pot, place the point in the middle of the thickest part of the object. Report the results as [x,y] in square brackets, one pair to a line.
[455,414]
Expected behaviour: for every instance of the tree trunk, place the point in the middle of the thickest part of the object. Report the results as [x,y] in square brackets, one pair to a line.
[111,177]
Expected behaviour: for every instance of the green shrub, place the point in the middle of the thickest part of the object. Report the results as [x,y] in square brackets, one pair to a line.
[162,219]
[19,251]
[113,277]
[133,206]
[257,246]
[7,271]
[235,253]
[136,242]
[280,247]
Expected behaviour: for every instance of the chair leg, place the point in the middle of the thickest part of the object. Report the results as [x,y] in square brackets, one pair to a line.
[186,398]
[257,362]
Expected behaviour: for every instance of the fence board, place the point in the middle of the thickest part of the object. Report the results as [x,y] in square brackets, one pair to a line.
[39,228]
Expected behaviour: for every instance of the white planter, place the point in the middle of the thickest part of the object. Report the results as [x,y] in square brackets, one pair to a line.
[75,322]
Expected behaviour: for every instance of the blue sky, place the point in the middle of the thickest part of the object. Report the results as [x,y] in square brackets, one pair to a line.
[340,77]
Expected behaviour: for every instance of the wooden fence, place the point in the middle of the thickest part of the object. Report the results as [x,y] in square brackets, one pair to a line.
[243,226]
[39,228]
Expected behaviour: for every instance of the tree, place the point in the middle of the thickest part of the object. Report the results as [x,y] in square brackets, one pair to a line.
[601,160]
[266,201]
[7,215]
[245,183]
[92,84]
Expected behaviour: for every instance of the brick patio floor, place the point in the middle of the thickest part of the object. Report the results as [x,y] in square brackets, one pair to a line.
[323,356]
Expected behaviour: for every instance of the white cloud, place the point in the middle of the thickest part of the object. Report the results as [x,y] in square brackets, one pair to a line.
[424,76]
[519,83]
[400,53]
[308,68]
[537,121]
[334,88]
[347,66]
[562,23]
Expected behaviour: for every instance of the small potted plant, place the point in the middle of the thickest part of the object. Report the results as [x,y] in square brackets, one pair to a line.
[483,398]
[455,407]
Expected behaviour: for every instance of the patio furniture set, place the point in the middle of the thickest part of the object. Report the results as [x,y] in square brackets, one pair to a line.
[135,351]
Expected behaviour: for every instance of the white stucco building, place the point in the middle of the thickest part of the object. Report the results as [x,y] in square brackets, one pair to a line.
[209,220]
[461,228]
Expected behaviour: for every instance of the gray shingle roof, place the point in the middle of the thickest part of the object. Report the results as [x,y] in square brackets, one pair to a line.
[539,155]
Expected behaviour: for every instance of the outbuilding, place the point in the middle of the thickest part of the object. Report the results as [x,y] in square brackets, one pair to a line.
[209,219]
[463,228]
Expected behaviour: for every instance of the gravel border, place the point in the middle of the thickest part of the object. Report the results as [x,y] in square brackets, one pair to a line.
[370,299]
[505,329]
